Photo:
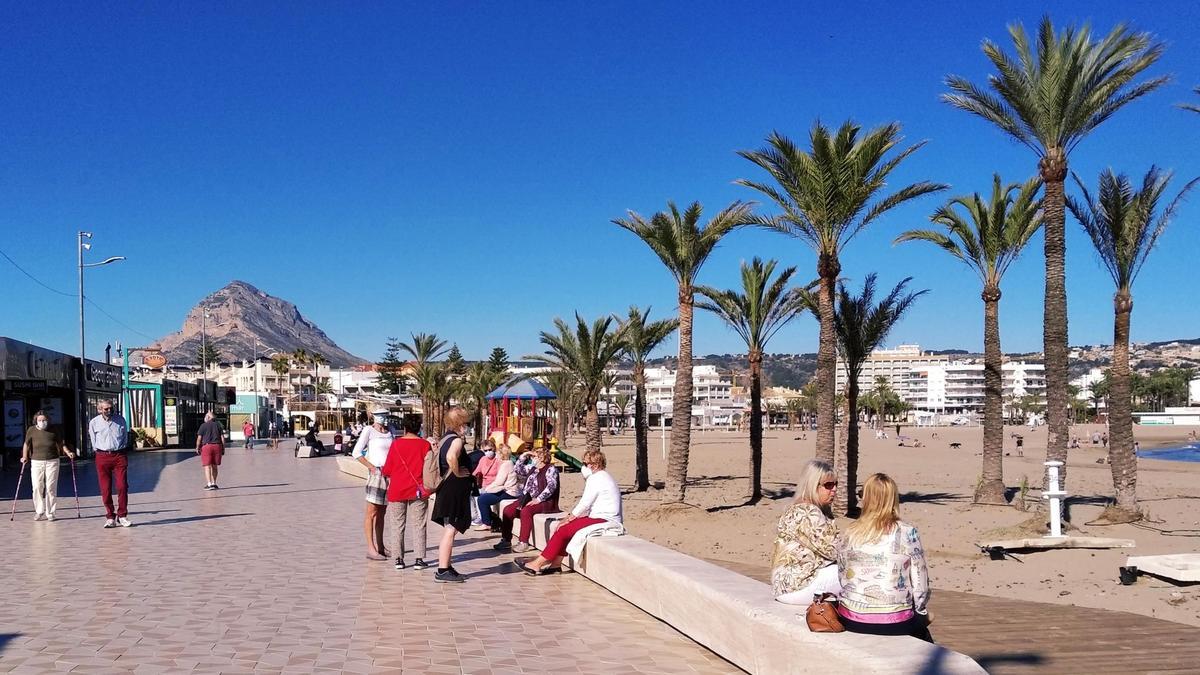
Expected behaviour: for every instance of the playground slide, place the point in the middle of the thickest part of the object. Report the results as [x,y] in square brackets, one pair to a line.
[573,464]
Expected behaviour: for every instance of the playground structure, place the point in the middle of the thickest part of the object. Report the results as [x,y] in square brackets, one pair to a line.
[519,412]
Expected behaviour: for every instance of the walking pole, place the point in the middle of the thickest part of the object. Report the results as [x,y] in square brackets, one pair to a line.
[19,477]
[73,482]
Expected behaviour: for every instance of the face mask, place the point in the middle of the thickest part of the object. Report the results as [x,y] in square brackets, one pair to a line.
[586,471]
[489,453]
[381,420]
[42,424]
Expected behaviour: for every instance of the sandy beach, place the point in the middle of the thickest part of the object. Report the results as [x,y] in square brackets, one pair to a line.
[937,483]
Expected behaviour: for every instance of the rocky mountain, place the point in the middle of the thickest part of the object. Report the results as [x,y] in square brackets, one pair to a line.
[239,313]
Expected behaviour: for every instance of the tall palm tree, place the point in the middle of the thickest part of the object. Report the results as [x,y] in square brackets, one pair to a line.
[424,348]
[1049,97]
[827,195]
[586,353]
[317,360]
[1124,222]
[862,325]
[641,338]
[280,366]
[683,246]
[1191,106]
[480,380]
[300,359]
[756,312]
[988,235]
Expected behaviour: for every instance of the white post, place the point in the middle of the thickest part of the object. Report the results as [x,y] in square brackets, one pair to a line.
[1055,495]
[662,424]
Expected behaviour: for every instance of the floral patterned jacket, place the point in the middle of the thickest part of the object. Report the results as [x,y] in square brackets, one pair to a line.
[803,545]
[885,581]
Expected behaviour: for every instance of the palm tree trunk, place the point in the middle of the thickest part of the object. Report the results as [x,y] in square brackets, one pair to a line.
[756,427]
[991,488]
[591,423]
[1053,169]
[828,268]
[681,404]
[846,499]
[1121,457]
[841,499]
[641,430]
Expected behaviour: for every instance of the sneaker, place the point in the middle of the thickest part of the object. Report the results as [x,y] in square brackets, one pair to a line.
[482,528]
[400,564]
[124,522]
[420,564]
[216,487]
[50,517]
[37,517]
[521,547]
[109,522]
[448,577]
[503,545]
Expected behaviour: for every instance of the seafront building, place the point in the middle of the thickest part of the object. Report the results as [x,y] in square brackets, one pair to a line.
[958,388]
[893,365]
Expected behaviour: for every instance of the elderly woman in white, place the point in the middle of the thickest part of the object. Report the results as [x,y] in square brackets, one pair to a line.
[804,563]
[598,512]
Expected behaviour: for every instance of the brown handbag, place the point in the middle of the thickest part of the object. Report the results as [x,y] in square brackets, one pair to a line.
[821,617]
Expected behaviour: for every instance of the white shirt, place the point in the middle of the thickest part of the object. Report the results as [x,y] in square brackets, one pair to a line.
[374,445]
[601,498]
[108,435]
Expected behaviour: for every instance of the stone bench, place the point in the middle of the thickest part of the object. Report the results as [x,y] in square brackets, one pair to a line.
[737,617]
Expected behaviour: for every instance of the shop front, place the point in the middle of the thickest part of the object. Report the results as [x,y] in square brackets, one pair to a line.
[103,384]
[31,379]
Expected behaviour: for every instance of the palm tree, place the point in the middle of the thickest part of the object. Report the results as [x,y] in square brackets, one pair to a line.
[585,353]
[795,409]
[1049,97]
[280,366]
[434,387]
[862,325]
[827,195]
[756,312]
[300,359]
[480,380]
[1124,223]
[988,235]
[424,348]
[563,384]
[317,361]
[683,247]
[641,338]
[1191,106]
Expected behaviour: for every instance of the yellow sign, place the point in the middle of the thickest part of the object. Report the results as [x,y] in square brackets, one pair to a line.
[154,360]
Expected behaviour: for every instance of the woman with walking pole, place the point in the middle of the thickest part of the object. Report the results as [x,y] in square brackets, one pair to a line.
[44,447]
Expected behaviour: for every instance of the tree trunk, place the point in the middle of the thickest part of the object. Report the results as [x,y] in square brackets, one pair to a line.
[681,404]
[991,487]
[1053,170]
[756,427]
[846,499]
[1122,459]
[591,424]
[641,429]
[828,269]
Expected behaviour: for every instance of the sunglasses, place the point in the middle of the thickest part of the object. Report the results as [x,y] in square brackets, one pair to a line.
[831,485]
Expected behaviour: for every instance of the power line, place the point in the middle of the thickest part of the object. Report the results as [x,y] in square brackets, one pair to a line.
[91,302]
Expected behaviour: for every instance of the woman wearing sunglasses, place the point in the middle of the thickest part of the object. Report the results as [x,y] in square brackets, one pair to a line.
[805,558]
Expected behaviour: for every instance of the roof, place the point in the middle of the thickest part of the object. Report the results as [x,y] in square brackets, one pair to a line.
[526,389]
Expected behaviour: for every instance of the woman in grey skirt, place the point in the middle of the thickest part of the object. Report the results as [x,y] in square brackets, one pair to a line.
[371,450]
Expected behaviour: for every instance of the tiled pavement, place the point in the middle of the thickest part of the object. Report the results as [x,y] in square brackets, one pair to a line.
[1018,637]
[268,575]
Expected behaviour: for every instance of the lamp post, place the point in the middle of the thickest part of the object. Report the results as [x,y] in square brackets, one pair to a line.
[203,356]
[82,383]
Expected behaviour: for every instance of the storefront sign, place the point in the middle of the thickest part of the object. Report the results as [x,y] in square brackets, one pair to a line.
[25,386]
[154,360]
[102,376]
[170,421]
[22,361]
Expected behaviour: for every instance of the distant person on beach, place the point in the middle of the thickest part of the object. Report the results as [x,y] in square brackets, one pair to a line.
[210,445]
[805,560]
[452,507]
[108,433]
[598,512]
[42,448]
[539,495]
[248,434]
[881,563]
[407,493]
[371,450]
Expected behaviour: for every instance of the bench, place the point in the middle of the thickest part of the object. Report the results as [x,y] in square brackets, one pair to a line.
[737,617]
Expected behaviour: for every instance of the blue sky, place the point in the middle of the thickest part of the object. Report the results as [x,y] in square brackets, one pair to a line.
[395,167]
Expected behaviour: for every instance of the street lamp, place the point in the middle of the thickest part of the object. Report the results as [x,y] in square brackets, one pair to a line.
[203,354]
[82,383]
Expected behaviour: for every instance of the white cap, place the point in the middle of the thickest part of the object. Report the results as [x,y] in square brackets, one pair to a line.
[380,412]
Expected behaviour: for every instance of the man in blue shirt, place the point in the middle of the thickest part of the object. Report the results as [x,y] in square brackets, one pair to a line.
[108,433]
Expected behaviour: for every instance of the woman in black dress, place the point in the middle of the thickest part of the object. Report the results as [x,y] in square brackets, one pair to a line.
[452,504]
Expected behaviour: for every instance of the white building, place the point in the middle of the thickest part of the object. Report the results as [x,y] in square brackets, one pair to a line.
[959,387]
[892,365]
[1194,392]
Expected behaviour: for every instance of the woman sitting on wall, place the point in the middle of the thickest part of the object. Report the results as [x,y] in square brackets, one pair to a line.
[805,560]
[599,509]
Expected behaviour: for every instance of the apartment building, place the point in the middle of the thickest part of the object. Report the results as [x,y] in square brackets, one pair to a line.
[958,387]
[893,365]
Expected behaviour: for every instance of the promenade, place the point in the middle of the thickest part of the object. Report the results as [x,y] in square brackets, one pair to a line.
[267,575]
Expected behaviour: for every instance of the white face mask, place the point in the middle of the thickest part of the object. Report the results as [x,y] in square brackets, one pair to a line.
[586,471]
[42,424]
[381,420]
[489,453]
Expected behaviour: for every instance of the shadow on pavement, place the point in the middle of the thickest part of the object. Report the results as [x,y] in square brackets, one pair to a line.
[189,519]
[145,467]
[6,638]
[991,661]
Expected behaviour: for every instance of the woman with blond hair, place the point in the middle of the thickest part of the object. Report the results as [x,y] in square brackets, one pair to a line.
[885,583]
[452,505]
[805,561]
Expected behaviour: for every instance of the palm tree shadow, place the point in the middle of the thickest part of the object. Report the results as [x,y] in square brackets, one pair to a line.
[938,498]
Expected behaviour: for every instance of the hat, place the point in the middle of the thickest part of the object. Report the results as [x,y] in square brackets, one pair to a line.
[381,411]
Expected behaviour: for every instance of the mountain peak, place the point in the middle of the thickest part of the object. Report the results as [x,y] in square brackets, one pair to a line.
[238,314]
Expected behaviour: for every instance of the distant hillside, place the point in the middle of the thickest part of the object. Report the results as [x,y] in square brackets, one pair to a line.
[239,313]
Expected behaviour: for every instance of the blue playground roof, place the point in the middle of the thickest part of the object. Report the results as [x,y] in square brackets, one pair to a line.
[527,390]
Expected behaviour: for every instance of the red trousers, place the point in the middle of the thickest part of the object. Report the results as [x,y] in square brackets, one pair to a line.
[110,465]
[527,514]
[557,546]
